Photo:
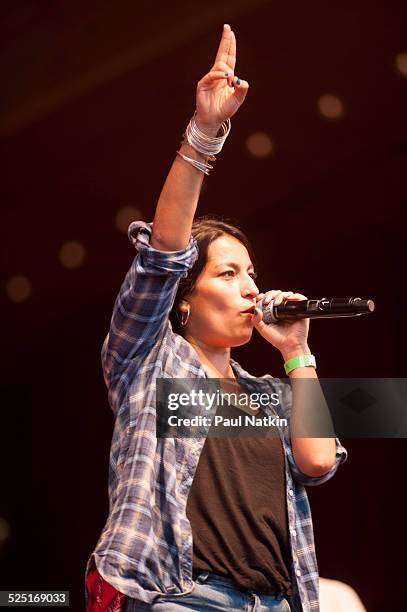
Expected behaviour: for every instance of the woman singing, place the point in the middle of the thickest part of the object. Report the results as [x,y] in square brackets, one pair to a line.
[204,523]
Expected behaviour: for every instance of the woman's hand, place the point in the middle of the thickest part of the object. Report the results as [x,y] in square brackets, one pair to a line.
[219,94]
[289,337]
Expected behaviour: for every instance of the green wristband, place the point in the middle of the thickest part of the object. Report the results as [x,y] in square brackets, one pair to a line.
[299,362]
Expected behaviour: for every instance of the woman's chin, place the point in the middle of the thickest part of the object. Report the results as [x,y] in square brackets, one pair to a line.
[243,338]
[227,340]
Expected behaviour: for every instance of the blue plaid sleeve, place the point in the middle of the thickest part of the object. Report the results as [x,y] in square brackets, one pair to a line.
[285,393]
[142,307]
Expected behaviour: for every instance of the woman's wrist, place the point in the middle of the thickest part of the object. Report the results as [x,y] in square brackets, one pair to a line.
[198,147]
[207,128]
[295,351]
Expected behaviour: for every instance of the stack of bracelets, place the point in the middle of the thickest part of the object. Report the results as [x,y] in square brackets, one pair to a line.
[207,145]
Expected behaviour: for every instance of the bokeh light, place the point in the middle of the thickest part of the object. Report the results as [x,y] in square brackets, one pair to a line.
[401,63]
[72,254]
[4,529]
[330,106]
[259,145]
[125,216]
[18,289]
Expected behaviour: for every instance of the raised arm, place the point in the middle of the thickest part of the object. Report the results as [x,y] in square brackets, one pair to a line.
[219,94]
[147,294]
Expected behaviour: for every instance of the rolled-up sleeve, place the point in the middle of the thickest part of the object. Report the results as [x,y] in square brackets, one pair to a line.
[311,481]
[150,261]
[142,306]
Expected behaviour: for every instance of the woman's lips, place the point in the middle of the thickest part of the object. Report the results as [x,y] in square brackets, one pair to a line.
[249,311]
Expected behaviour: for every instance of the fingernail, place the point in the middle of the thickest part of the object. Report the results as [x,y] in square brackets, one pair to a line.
[237,81]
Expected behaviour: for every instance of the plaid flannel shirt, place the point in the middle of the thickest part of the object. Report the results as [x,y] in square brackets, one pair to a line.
[145,548]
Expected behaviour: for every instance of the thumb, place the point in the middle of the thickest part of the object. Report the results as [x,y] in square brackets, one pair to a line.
[258,318]
[241,89]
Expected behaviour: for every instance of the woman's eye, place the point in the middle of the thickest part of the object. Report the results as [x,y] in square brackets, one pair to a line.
[231,273]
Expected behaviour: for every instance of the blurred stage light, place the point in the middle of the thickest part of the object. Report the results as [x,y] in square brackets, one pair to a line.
[4,529]
[18,289]
[330,106]
[259,145]
[401,63]
[125,216]
[72,254]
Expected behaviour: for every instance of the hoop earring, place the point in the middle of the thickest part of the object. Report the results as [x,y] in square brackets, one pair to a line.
[185,316]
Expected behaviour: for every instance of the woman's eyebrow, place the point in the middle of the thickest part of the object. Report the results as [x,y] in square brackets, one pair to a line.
[233,265]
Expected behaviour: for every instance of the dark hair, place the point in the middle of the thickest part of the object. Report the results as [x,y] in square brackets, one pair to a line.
[205,230]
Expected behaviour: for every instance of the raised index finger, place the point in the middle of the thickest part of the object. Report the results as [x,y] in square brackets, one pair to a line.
[224,45]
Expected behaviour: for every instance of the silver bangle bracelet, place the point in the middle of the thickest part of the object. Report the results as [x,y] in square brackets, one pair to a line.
[201,166]
[201,142]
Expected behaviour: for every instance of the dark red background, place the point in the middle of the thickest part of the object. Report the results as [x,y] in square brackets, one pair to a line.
[325,213]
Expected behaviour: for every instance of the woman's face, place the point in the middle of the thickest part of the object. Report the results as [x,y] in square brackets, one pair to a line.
[223,291]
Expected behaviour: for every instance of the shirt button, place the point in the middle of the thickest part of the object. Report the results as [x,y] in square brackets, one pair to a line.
[293,532]
[298,572]
[291,492]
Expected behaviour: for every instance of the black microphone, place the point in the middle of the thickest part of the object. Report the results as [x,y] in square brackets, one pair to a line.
[290,310]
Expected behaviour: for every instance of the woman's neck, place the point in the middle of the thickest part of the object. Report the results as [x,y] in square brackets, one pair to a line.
[216,361]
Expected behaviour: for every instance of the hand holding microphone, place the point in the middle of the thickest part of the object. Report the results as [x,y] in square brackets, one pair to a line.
[288,337]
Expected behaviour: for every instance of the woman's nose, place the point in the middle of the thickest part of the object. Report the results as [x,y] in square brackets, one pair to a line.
[251,291]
